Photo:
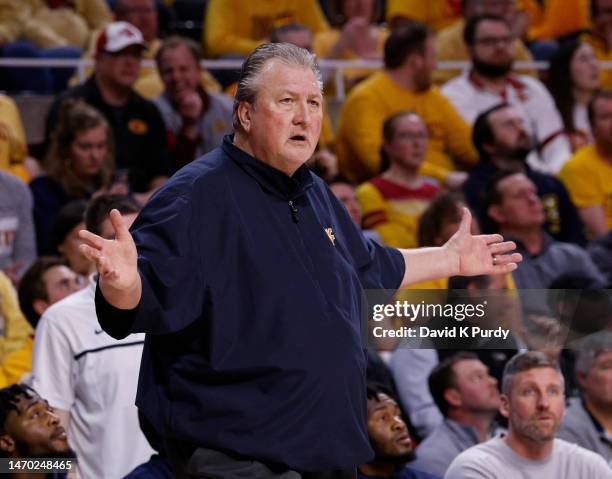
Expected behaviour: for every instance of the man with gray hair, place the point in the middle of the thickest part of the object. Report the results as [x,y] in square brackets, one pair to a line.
[246,274]
[534,402]
[588,421]
[196,120]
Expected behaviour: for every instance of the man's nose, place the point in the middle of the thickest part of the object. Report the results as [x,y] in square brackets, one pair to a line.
[398,423]
[302,114]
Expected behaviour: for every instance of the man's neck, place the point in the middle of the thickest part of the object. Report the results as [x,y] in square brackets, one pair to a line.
[111,94]
[582,97]
[494,84]
[378,470]
[504,162]
[402,175]
[481,422]
[603,153]
[402,78]
[532,238]
[528,449]
[602,413]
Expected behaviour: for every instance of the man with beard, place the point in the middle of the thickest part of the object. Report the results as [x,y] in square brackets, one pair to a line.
[490,80]
[501,141]
[404,84]
[468,398]
[390,440]
[533,401]
[29,428]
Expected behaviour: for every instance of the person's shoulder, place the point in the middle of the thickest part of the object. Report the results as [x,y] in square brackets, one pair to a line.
[221,99]
[530,83]
[13,183]
[373,85]
[578,455]
[72,312]
[575,417]
[586,156]
[459,84]
[476,458]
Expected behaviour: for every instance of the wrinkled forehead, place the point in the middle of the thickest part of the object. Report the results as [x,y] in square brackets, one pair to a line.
[277,75]
[543,376]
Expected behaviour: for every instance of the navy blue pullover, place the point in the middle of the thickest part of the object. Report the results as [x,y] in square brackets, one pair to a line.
[252,313]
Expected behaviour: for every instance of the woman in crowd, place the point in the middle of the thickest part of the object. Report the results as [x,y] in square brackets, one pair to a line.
[574,78]
[78,165]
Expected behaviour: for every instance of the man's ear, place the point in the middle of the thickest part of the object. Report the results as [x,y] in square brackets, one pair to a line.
[496,214]
[7,444]
[244,115]
[452,397]
[39,305]
[504,407]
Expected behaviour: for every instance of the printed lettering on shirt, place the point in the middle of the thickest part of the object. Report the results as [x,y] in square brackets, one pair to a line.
[8,230]
[331,236]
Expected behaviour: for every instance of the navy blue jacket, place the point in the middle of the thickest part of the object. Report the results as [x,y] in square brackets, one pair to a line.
[252,313]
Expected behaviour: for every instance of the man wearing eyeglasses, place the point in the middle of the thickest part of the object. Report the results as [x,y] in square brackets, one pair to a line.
[489,80]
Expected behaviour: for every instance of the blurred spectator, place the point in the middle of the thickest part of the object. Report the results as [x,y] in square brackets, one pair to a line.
[600,249]
[587,418]
[31,428]
[468,398]
[17,235]
[64,238]
[490,80]
[554,19]
[358,37]
[436,14]
[393,201]
[404,84]
[46,282]
[143,14]
[47,29]
[573,78]
[390,440]
[588,174]
[89,377]
[138,129]
[344,190]
[196,120]
[502,142]
[79,164]
[534,403]
[234,27]
[513,204]
[13,146]
[452,47]
[324,163]
[600,36]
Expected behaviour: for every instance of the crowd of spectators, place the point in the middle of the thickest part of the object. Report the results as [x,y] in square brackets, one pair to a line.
[527,150]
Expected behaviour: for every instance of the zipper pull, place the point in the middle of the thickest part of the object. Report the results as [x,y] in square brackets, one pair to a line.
[294,212]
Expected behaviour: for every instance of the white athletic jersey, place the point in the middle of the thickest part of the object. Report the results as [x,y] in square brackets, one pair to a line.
[79,368]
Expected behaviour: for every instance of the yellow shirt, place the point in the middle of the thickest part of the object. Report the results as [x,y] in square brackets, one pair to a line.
[13,147]
[451,47]
[436,14]
[555,18]
[52,27]
[393,210]
[324,41]
[149,83]
[588,179]
[359,132]
[16,364]
[238,26]
[16,328]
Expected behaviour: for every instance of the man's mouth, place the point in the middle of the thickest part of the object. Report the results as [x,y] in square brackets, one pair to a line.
[404,440]
[300,138]
[59,433]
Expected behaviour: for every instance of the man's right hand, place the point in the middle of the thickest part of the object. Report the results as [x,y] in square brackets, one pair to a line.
[116,262]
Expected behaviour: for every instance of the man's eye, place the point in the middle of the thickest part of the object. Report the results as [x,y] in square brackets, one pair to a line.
[286,100]
[315,103]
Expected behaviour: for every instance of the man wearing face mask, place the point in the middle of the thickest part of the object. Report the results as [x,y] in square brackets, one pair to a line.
[490,80]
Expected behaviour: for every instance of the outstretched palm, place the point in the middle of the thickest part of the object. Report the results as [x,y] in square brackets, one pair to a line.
[115,258]
[481,254]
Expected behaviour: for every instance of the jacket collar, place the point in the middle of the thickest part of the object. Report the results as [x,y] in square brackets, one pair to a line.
[275,181]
